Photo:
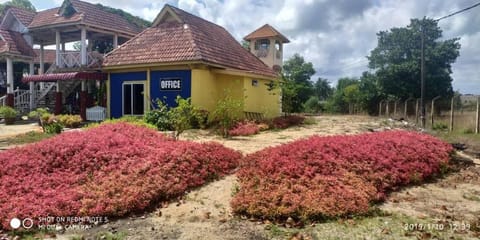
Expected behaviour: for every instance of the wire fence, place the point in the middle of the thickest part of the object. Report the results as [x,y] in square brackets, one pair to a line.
[455,114]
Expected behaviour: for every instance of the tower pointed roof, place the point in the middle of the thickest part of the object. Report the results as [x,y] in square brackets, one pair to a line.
[266,31]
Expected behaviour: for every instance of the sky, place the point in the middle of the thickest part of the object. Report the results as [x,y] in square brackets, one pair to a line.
[335,35]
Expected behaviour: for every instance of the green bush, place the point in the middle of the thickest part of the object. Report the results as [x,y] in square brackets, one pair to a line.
[227,112]
[313,105]
[53,128]
[159,117]
[70,121]
[37,113]
[8,112]
[439,126]
[182,116]
[138,121]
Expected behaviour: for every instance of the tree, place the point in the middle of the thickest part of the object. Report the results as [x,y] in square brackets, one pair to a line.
[339,101]
[296,74]
[25,4]
[322,89]
[370,93]
[396,60]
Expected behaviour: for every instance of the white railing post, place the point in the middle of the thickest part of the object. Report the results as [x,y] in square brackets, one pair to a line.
[57,49]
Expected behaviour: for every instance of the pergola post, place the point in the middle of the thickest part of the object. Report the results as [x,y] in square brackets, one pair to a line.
[115,41]
[83,100]
[10,101]
[57,48]
[83,49]
[32,87]
[42,60]
[58,99]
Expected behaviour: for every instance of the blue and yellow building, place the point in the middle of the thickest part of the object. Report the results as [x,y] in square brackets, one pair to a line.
[184,55]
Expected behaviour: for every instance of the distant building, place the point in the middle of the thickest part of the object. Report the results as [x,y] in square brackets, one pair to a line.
[267,44]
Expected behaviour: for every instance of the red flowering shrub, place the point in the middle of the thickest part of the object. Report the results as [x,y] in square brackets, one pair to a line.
[244,128]
[287,121]
[110,170]
[322,177]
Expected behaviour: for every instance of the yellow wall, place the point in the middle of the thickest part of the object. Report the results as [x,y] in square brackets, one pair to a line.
[204,92]
[256,98]
[259,99]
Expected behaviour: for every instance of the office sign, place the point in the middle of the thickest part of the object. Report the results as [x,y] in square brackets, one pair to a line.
[170,84]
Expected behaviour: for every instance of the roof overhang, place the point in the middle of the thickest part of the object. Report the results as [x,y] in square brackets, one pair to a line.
[53,77]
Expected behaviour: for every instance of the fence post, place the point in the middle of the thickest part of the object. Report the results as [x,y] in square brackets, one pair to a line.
[405,112]
[387,109]
[452,111]
[416,111]
[432,111]
[395,108]
[477,125]
[380,109]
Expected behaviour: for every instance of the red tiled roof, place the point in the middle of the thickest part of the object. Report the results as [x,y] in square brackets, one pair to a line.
[49,56]
[53,77]
[12,42]
[87,13]
[23,15]
[195,39]
[266,31]
[50,17]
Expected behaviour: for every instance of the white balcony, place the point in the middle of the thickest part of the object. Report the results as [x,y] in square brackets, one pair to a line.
[74,60]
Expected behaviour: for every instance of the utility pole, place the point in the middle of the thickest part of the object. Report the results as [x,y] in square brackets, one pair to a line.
[422,76]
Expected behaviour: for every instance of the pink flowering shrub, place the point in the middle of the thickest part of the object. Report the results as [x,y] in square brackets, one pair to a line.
[244,128]
[283,122]
[110,170]
[324,177]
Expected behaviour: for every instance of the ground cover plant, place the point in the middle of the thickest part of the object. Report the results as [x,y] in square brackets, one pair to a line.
[244,128]
[327,177]
[287,121]
[110,170]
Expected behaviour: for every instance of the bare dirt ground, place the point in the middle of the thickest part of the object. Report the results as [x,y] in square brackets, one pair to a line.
[204,213]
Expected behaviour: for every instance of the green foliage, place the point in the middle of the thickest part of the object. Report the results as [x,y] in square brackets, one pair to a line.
[439,126]
[53,127]
[322,89]
[245,44]
[227,112]
[28,137]
[25,4]
[159,117]
[313,105]
[128,119]
[343,95]
[297,87]
[37,113]
[8,112]
[70,121]
[397,56]
[182,116]
[137,21]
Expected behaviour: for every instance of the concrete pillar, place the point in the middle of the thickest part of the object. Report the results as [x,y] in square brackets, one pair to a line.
[42,60]
[83,49]
[63,47]
[58,100]
[32,88]
[10,101]
[57,47]
[83,101]
[115,41]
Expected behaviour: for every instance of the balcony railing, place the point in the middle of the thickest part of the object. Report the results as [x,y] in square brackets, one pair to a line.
[261,53]
[74,59]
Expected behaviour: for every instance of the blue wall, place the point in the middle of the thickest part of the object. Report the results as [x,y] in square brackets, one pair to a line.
[116,83]
[169,96]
